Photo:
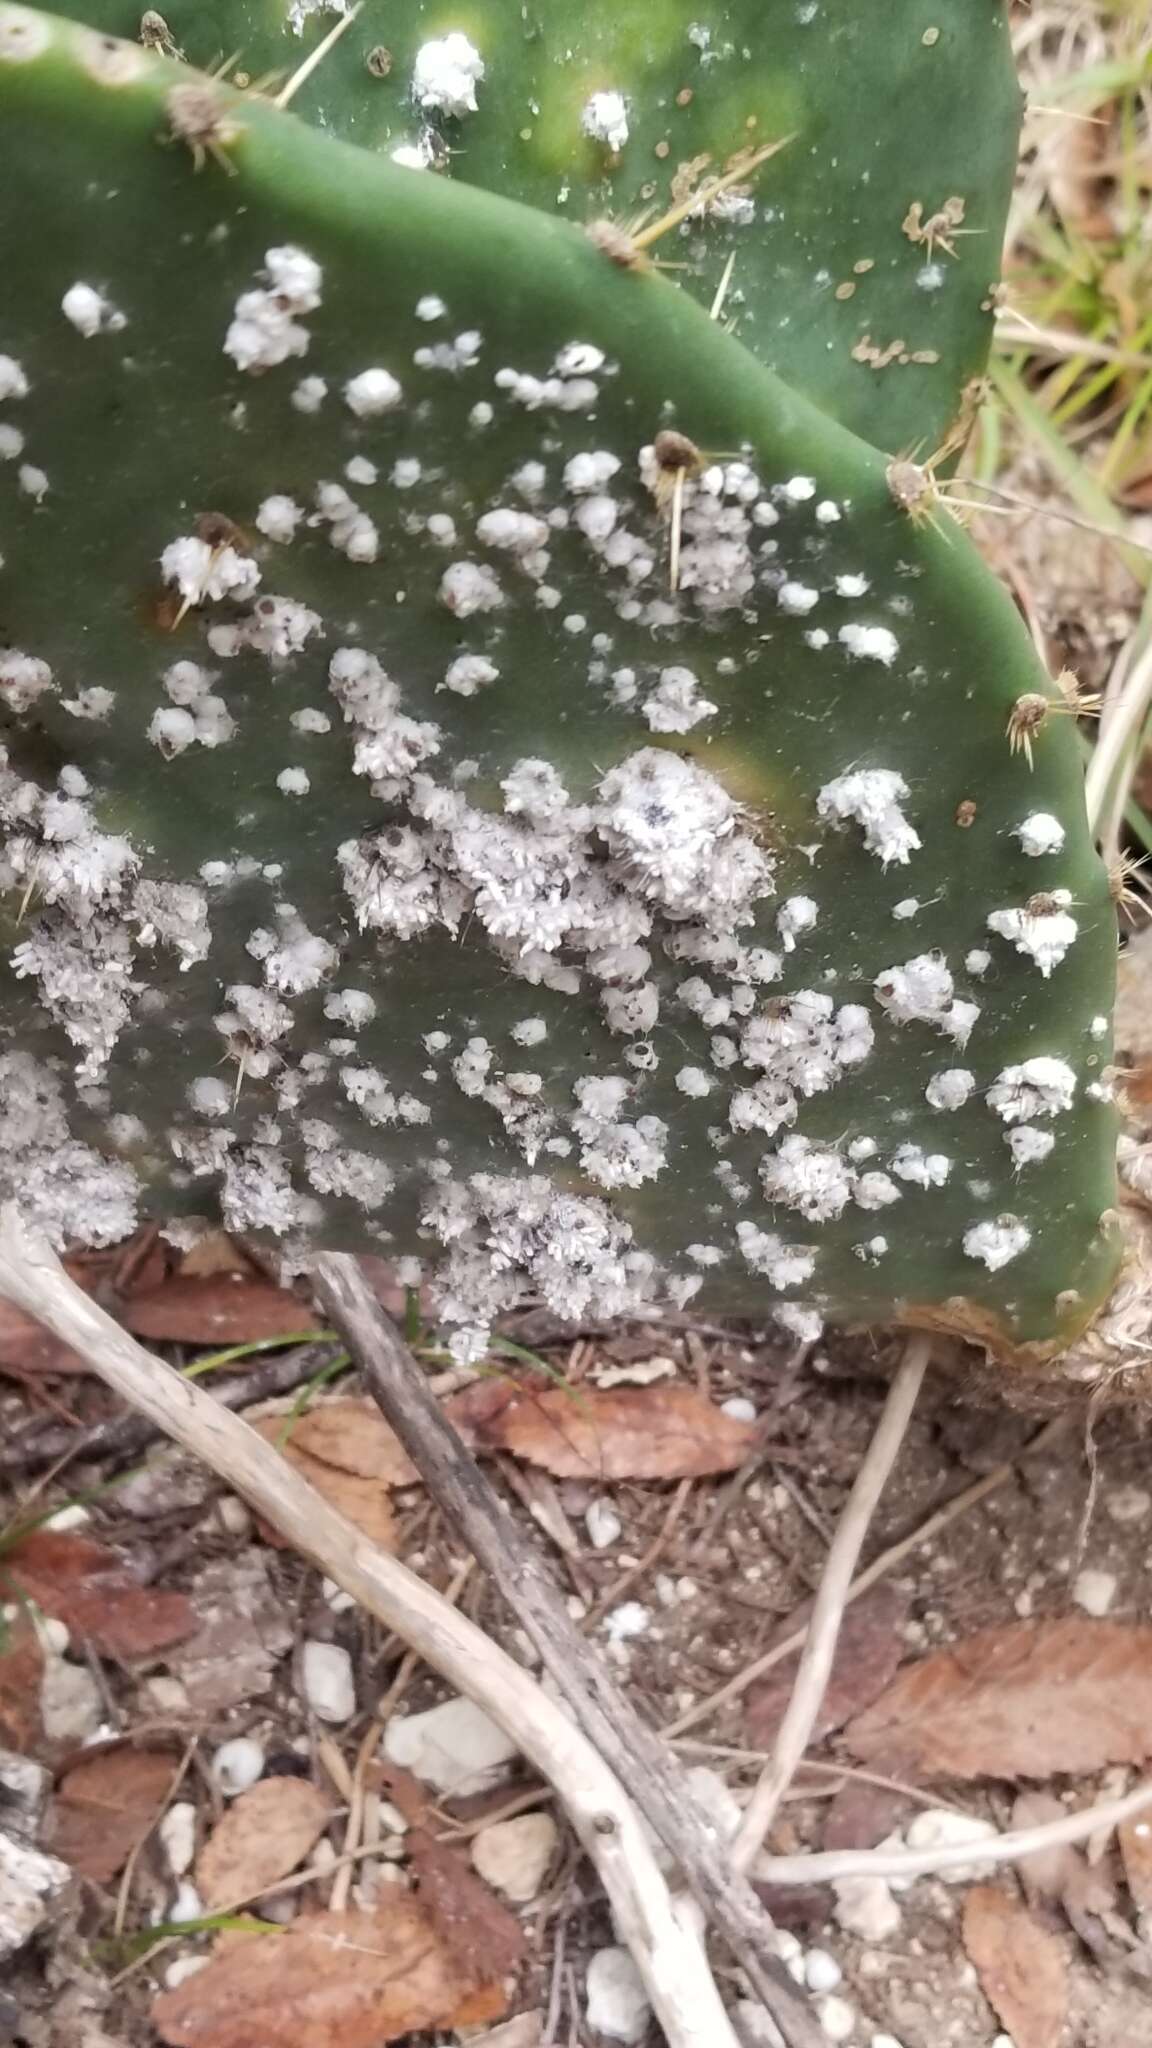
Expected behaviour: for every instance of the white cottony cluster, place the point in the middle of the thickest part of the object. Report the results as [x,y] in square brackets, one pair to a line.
[950,1089]
[1040,833]
[997,1242]
[372,392]
[675,705]
[351,530]
[605,119]
[65,1188]
[203,572]
[89,312]
[615,1153]
[1041,1086]
[870,643]
[782,1265]
[1028,1145]
[278,627]
[673,829]
[265,329]
[446,75]
[23,678]
[804,1046]
[871,797]
[194,716]
[1044,928]
[922,991]
[507,1232]
[808,1176]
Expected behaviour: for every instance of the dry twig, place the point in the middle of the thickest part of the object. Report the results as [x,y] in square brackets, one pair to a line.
[831,1866]
[517,1567]
[831,1597]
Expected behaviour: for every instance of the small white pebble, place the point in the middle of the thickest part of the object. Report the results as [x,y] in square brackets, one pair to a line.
[602,1523]
[622,1623]
[237,1764]
[821,1971]
[187,1905]
[177,1832]
[326,1676]
[866,1908]
[1094,1591]
[740,1408]
[179,1972]
[617,2003]
[837,2018]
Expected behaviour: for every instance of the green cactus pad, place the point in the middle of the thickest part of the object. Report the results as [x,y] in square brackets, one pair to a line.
[390,848]
[900,116]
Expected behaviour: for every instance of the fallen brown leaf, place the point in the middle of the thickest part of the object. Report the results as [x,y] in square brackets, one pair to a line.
[95,1592]
[859,1815]
[331,1980]
[104,1806]
[28,1350]
[21,1669]
[1021,1966]
[475,1926]
[353,1436]
[867,1654]
[364,1501]
[263,1836]
[1025,1701]
[218,1308]
[215,1253]
[656,1432]
[477,1929]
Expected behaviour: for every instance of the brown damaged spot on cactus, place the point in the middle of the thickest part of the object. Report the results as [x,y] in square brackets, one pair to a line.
[965,813]
[199,119]
[939,228]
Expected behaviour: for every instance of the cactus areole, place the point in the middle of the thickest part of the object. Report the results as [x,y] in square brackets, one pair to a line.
[493,774]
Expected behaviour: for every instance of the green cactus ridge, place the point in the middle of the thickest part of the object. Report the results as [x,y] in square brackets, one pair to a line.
[392,854]
[899,117]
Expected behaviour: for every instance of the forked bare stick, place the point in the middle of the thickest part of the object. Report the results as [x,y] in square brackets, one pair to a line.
[665,1944]
[520,1572]
[831,1866]
[828,1608]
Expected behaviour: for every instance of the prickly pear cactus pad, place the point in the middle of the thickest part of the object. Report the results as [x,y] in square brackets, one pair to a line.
[863,256]
[393,854]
